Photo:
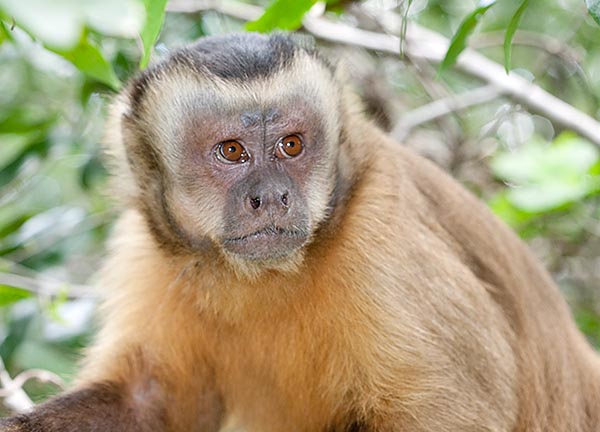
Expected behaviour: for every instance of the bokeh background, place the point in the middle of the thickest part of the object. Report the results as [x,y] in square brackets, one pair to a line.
[62,61]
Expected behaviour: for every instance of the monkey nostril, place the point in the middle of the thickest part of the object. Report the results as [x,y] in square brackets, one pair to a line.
[285,200]
[255,202]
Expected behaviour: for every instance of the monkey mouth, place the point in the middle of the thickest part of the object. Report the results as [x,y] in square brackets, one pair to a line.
[268,243]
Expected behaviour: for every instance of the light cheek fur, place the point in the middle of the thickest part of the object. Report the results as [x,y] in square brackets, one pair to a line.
[200,213]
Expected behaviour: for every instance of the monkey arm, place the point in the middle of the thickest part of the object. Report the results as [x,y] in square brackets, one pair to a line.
[127,394]
[98,407]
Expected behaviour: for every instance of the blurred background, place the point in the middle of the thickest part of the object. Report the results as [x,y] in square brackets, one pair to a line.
[536,164]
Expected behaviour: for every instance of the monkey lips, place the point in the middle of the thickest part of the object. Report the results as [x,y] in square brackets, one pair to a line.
[269,243]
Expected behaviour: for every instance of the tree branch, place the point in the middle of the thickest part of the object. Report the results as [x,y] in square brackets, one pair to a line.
[19,381]
[432,46]
[16,400]
[442,107]
[11,390]
[44,287]
[424,44]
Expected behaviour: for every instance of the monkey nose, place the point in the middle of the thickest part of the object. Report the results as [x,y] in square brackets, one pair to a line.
[284,199]
[279,201]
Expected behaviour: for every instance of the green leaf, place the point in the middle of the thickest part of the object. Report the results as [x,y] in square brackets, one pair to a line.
[155,14]
[589,323]
[15,146]
[281,14]
[551,195]
[505,210]
[510,32]
[22,120]
[88,59]
[5,33]
[569,156]
[594,9]
[60,23]
[10,295]
[466,28]
[546,177]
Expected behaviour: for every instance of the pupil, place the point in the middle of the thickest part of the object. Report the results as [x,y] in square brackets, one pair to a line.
[231,149]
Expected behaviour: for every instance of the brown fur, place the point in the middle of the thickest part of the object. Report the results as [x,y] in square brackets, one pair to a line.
[412,309]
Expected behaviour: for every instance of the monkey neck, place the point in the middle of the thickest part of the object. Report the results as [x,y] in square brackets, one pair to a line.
[207,281]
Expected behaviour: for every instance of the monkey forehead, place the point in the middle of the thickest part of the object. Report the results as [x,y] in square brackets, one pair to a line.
[304,88]
[237,56]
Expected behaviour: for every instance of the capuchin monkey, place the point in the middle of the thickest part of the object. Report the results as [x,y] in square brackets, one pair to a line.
[282,265]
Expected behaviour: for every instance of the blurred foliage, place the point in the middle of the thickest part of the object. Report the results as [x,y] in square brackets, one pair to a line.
[545,177]
[510,33]
[594,9]
[70,29]
[281,14]
[466,28]
[155,12]
[61,61]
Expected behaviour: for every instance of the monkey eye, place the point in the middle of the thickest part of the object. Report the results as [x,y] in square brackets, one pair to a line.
[231,152]
[289,147]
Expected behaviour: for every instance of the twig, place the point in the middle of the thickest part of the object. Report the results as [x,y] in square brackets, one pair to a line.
[16,400]
[442,107]
[44,287]
[428,45]
[234,9]
[424,73]
[549,44]
[437,89]
[50,238]
[40,375]
[423,44]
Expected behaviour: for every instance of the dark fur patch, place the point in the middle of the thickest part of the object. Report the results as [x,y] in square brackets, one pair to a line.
[245,56]
[354,426]
[357,427]
[97,408]
[138,89]
[238,56]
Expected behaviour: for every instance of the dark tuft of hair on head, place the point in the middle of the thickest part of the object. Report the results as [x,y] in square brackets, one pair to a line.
[237,56]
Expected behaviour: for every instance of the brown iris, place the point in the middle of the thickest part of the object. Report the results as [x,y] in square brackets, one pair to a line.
[232,152]
[289,147]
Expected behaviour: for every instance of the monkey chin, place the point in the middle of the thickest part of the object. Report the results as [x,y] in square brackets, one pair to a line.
[251,255]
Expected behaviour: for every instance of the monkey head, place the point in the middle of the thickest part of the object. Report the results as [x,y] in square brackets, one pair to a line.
[231,145]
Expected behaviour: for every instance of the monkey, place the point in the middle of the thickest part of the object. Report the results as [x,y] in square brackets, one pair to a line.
[282,265]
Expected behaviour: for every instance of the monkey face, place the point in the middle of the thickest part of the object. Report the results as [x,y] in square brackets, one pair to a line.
[247,166]
[260,161]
